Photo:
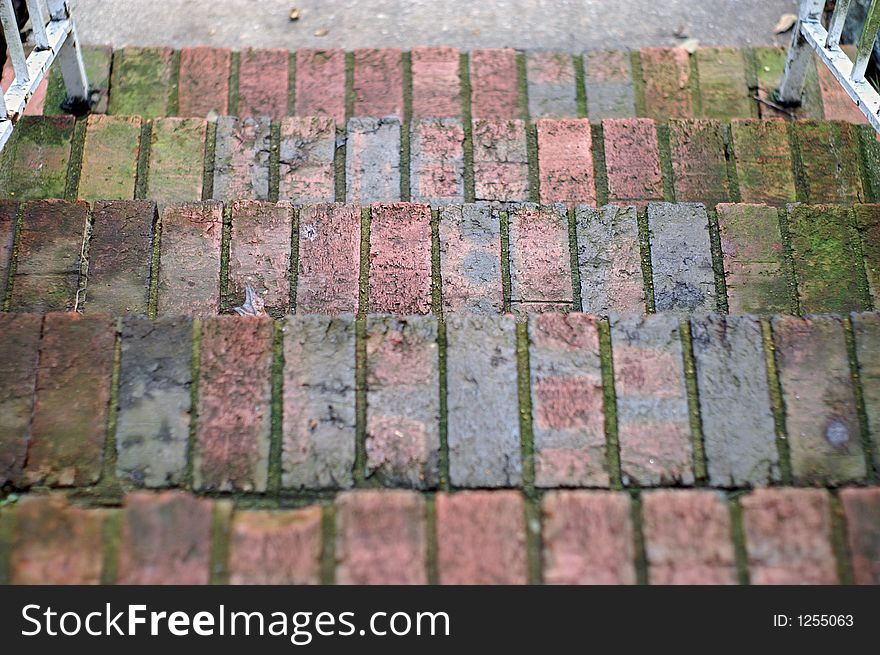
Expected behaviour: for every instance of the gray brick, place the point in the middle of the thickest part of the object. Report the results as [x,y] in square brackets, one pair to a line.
[551,83]
[372,160]
[241,159]
[470,259]
[306,163]
[437,162]
[867,337]
[608,78]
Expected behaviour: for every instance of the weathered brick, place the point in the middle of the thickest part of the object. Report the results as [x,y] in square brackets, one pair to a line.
[141,82]
[400,259]
[318,448]
[437,162]
[681,258]
[8,219]
[608,79]
[836,102]
[177,147]
[120,252]
[483,407]
[262,83]
[866,329]
[666,77]
[494,84]
[38,157]
[189,267]
[820,407]
[481,538]
[153,419]
[868,224]
[540,263]
[565,161]
[306,168]
[96,60]
[739,434]
[110,156]
[241,158]
[72,398]
[770,63]
[788,536]
[724,91]
[372,160]
[378,82]
[18,375]
[699,162]
[279,548]
[551,85]
[588,538]
[320,83]
[48,256]
[203,87]
[436,87]
[403,401]
[763,161]
[632,160]
[166,539]
[364,552]
[234,409]
[862,508]
[829,155]
[501,163]
[652,408]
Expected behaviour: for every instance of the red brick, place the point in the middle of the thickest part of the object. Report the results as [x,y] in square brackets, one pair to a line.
[307,172]
[470,259]
[177,145]
[540,264]
[501,163]
[437,162]
[788,536]
[166,539]
[632,160]
[565,161]
[234,409]
[494,84]
[320,83]
[551,85]
[18,375]
[378,82]
[608,78]
[203,87]
[109,159]
[862,509]
[588,538]
[837,105]
[481,538]
[69,423]
[364,552]
[667,78]
[282,548]
[763,161]
[400,259]
[262,83]
[436,87]
[699,162]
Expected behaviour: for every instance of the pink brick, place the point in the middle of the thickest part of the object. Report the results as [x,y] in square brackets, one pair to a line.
[470,259]
[481,538]
[400,259]
[666,75]
[306,168]
[320,83]
[378,82]
[436,87]
[262,83]
[494,84]
[565,161]
[540,263]
[18,375]
[862,509]
[204,82]
[632,160]
[501,163]
[437,162]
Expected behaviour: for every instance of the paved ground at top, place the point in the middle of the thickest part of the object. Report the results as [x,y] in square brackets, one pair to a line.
[569,25]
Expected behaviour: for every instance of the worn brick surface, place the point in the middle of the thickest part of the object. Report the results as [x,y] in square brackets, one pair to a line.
[829,154]
[436,87]
[551,85]
[378,82]
[481,538]
[437,162]
[588,538]
[234,408]
[788,536]
[862,508]
[110,156]
[96,60]
[165,539]
[262,83]
[37,159]
[153,419]
[320,83]
[724,91]
[282,548]
[203,87]
[609,84]
[866,329]
[666,78]
[308,147]
[400,259]
[820,409]
[501,163]
[482,403]
[699,163]
[565,161]
[69,423]
[241,158]
[763,161]
[770,63]
[652,409]
[177,146]
[372,160]
[540,263]
[18,374]
[470,260]
[868,223]
[494,84]
[632,160]
[8,218]
[364,552]
[319,402]
[141,82]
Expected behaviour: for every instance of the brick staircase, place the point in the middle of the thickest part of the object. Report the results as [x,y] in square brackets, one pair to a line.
[531,317]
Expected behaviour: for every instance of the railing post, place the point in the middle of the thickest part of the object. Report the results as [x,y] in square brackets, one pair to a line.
[13,41]
[70,59]
[866,42]
[800,54]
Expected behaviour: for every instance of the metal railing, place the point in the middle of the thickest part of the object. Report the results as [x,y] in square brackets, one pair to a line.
[810,36]
[54,38]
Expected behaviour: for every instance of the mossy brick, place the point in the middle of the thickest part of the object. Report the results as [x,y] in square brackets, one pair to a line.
[829,155]
[231,452]
[609,260]
[769,66]
[482,401]
[632,160]
[821,419]
[262,83]
[436,86]
[306,161]
[141,82]
[739,433]
[868,224]
[18,375]
[203,84]
[48,256]
[827,261]
[699,161]
[120,255]
[39,156]
[400,259]
[319,89]
[609,84]
[8,219]
[241,158]
[540,261]
[72,399]
[470,259]
[318,443]
[862,510]
[437,161]
[276,547]
[177,148]
[110,158]
[866,329]
[762,155]
[259,253]
[364,552]
[96,60]
[501,162]
[552,89]
[567,401]
[403,402]
[837,104]
[681,258]
[378,82]
[481,538]
[56,542]
[788,537]
[189,264]
[652,407]
[754,267]
[687,537]
[153,416]
[724,90]
[165,538]
[329,259]
[494,81]
[565,161]
[666,78]
[870,143]
[588,538]
[372,160]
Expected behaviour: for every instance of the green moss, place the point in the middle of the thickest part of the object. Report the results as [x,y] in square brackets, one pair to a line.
[717,262]
[112,537]
[74,164]
[839,542]
[641,559]
[234,77]
[600,173]
[328,544]
[467,123]
[142,82]
[505,259]
[638,78]
[645,254]
[666,161]
[609,405]
[141,183]
[96,60]
[580,88]
[275,438]
[737,534]
[431,565]
[274,160]
[864,429]
[777,403]
[527,442]
[221,525]
[693,397]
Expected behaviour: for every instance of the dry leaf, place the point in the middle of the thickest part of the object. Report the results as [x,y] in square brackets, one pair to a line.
[322,32]
[294,14]
[785,23]
[690,45]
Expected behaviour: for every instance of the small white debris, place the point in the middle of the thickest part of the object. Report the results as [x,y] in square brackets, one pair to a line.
[253,305]
[785,23]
